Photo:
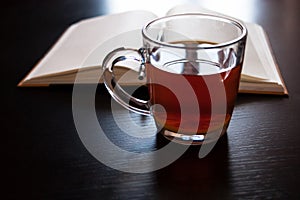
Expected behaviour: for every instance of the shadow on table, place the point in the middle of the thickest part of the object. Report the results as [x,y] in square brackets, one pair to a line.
[189,175]
[255,98]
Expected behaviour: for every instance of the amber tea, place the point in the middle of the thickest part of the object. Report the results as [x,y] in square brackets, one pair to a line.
[198,74]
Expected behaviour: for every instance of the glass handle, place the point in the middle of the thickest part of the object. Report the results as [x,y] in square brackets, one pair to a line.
[116,91]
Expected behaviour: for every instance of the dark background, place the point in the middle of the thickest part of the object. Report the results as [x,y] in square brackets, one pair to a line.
[45,159]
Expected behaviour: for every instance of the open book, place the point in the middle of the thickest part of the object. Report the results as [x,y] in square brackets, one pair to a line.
[83,46]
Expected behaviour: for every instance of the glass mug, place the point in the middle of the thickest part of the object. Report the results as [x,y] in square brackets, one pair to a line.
[192,64]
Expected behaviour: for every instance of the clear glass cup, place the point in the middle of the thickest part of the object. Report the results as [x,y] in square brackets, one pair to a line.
[192,64]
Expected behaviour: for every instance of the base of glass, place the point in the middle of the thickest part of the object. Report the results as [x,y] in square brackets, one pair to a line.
[197,139]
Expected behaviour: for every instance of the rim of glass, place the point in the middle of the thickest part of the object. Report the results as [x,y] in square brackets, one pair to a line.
[207,16]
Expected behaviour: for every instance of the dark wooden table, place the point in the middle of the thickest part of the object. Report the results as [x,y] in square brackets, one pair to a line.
[44,158]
